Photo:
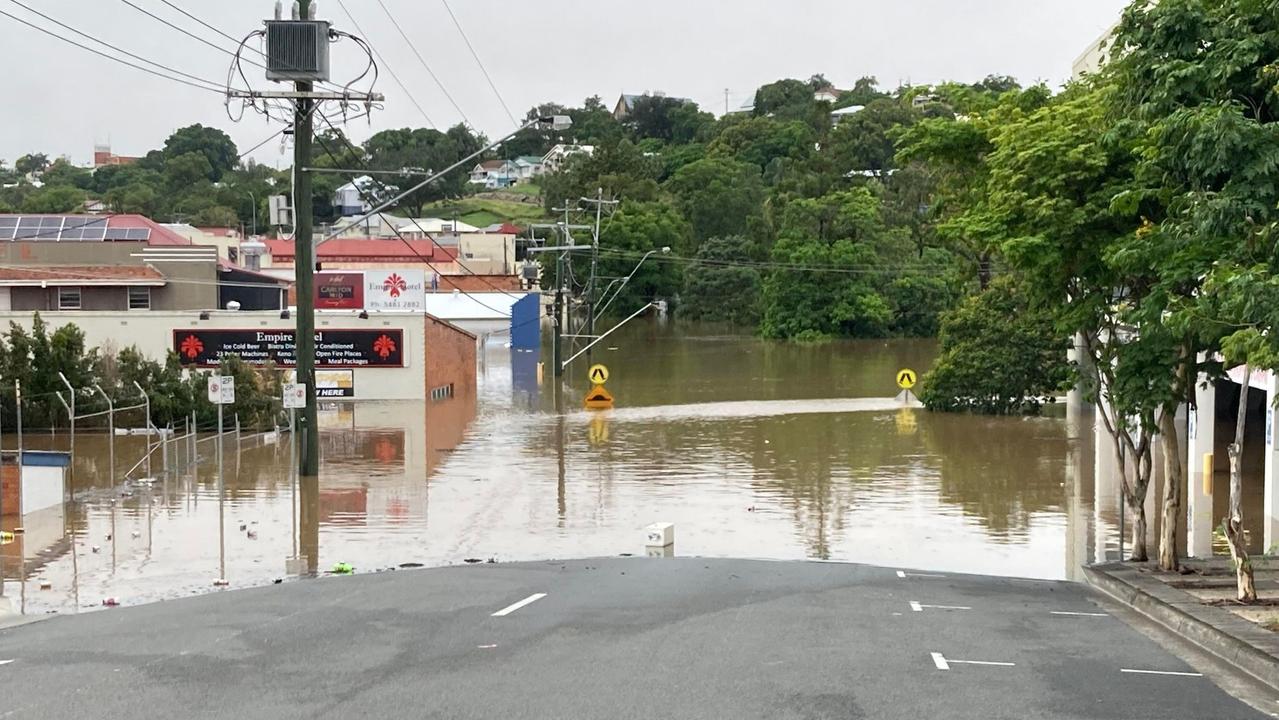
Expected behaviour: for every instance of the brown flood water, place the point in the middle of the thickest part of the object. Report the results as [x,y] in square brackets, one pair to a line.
[752,449]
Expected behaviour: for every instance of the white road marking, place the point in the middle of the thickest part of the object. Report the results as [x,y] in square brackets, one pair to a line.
[943,663]
[5,662]
[485,647]
[516,606]
[1077,614]
[903,574]
[917,607]
[1161,672]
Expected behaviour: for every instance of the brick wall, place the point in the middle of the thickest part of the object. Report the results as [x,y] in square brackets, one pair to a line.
[479,283]
[9,482]
[450,361]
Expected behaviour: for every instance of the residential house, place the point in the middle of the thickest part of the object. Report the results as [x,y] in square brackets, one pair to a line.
[827,94]
[528,167]
[555,157]
[116,262]
[1094,56]
[353,197]
[838,116]
[495,173]
[385,225]
[226,240]
[626,103]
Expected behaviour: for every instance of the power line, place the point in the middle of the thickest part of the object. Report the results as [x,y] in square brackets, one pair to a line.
[422,60]
[387,65]
[207,25]
[475,55]
[184,31]
[115,47]
[109,57]
[889,268]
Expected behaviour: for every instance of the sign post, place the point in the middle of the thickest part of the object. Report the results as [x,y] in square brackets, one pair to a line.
[294,398]
[221,392]
[906,379]
[598,398]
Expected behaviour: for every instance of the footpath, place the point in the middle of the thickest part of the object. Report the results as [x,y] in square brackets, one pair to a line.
[1198,605]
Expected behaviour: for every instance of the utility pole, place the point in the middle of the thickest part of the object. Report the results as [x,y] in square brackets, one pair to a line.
[304,267]
[599,203]
[725,101]
[563,311]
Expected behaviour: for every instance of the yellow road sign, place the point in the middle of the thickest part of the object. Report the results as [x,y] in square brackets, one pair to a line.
[599,399]
[598,374]
[906,378]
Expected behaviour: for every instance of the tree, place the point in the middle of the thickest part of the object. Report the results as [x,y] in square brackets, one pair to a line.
[139,198]
[184,171]
[761,140]
[787,99]
[64,173]
[54,199]
[31,163]
[717,195]
[635,229]
[864,142]
[722,285]
[216,147]
[999,356]
[216,216]
[660,117]
[425,149]
[865,91]
[621,170]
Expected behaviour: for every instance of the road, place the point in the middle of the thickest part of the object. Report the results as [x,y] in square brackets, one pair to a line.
[610,638]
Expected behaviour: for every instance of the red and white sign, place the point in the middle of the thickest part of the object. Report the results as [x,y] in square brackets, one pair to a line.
[395,290]
[221,390]
[339,290]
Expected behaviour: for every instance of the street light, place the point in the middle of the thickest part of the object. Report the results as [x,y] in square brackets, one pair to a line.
[665,250]
[254,200]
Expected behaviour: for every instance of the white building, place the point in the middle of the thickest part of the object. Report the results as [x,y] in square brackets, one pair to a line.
[837,116]
[555,157]
[1094,56]
[495,173]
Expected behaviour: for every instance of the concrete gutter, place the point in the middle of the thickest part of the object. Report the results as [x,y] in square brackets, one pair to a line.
[1239,642]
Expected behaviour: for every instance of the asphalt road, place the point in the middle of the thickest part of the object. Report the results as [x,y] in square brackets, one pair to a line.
[610,638]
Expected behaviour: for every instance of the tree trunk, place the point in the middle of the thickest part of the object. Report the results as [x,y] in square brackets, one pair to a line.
[1172,490]
[1247,589]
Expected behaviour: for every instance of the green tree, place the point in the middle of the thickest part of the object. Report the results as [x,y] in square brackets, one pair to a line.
[635,229]
[181,172]
[216,216]
[787,99]
[424,148]
[717,195]
[214,145]
[722,285]
[54,199]
[31,163]
[761,140]
[864,142]
[64,173]
[999,356]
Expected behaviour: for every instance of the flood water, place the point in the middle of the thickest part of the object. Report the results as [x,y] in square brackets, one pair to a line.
[751,448]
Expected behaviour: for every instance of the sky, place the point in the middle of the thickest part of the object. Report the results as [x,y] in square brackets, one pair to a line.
[550,50]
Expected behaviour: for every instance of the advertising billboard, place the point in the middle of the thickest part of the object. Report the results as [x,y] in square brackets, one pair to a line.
[402,290]
[362,348]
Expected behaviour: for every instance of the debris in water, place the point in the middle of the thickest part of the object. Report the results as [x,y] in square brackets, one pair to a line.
[627,554]
[95,548]
[253,534]
[750,509]
[411,565]
[110,602]
[342,568]
[277,581]
[243,527]
[472,561]
[491,561]
[46,585]
[108,537]
[137,533]
[221,582]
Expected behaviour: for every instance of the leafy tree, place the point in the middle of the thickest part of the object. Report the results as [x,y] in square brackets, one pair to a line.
[787,99]
[999,356]
[635,229]
[865,91]
[216,146]
[216,216]
[54,199]
[64,173]
[665,118]
[424,148]
[621,170]
[761,140]
[140,198]
[717,195]
[719,287]
[31,163]
[183,171]
[865,141]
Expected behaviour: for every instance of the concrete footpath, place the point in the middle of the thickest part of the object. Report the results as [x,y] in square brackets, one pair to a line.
[611,638]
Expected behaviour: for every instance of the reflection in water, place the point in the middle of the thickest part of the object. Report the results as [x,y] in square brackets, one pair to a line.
[752,449]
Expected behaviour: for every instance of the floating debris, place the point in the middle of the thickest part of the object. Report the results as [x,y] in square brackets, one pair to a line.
[342,568]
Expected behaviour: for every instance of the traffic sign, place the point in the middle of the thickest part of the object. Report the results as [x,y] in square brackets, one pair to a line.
[599,399]
[906,378]
[221,390]
[598,374]
[294,396]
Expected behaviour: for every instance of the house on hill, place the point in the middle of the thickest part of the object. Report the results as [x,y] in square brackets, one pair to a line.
[626,103]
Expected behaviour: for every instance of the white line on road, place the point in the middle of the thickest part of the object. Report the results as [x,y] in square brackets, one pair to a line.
[516,606]
[917,607]
[943,663]
[1077,614]
[5,662]
[903,573]
[1161,672]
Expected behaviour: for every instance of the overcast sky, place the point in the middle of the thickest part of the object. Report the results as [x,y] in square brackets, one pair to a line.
[63,99]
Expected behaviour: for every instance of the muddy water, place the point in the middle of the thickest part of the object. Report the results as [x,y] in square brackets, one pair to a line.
[751,449]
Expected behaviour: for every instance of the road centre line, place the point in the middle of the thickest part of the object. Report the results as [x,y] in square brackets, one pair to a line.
[1077,614]
[917,607]
[1161,672]
[5,662]
[516,606]
[943,663]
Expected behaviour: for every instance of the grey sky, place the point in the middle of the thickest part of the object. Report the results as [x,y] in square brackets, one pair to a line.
[561,50]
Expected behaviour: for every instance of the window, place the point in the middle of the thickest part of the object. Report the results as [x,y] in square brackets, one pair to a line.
[69,298]
[443,392]
[139,298]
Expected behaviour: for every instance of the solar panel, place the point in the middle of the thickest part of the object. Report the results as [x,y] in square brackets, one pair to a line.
[54,228]
[8,225]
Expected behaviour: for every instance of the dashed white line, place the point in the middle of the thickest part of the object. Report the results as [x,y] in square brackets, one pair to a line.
[1077,614]
[516,606]
[940,661]
[944,663]
[904,574]
[1161,672]
[5,662]
[918,607]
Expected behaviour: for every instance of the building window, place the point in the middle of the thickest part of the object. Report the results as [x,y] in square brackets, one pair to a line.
[69,298]
[443,392]
[139,298]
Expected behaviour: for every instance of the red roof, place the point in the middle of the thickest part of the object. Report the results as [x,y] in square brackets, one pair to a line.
[81,275]
[372,249]
[160,235]
[219,231]
[508,229]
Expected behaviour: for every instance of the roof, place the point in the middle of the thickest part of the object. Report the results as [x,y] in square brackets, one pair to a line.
[228,267]
[87,228]
[529,159]
[219,231]
[359,249]
[848,110]
[55,275]
[504,228]
[493,164]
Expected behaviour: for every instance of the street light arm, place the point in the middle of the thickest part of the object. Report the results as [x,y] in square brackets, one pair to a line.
[554,121]
[626,280]
[608,332]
